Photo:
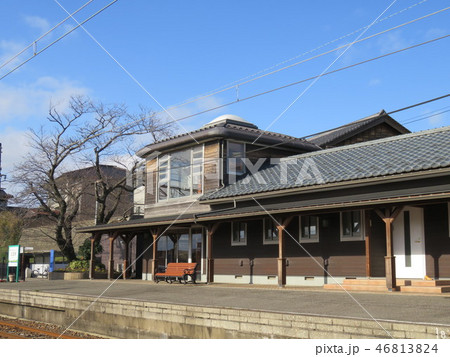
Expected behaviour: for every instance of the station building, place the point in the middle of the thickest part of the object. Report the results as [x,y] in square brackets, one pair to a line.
[366,200]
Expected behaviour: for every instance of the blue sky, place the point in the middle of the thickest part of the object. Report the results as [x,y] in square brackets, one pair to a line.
[182,49]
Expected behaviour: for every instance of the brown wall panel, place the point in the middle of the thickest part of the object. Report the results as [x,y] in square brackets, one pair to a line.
[212,170]
[437,241]
[231,266]
[377,246]
[344,258]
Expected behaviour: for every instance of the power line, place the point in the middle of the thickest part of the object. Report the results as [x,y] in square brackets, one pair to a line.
[34,43]
[236,82]
[350,124]
[426,116]
[125,70]
[58,39]
[322,73]
[299,82]
[264,147]
[305,60]
[416,105]
[310,78]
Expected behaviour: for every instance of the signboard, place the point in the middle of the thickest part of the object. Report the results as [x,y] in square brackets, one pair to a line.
[52,261]
[13,255]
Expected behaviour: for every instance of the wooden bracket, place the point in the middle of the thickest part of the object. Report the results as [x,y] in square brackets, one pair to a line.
[212,228]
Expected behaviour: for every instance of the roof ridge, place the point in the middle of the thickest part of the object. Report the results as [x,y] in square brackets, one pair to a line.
[380,114]
[369,143]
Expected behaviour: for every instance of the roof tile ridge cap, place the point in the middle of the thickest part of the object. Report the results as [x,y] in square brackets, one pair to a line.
[357,121]
[370,143]
[272,133]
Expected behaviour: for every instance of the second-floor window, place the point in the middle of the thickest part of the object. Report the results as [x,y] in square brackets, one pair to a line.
[180,174]
[235,156]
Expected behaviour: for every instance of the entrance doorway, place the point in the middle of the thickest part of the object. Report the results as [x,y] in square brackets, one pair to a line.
[409,243]
[181,246]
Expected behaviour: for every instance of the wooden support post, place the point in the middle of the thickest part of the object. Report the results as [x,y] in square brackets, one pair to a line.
[112,238]
[391,282]
[127,240]
[367,230]
[155,234]
[281,258]
[209,257]
[388,218]
[281,226]
[92,262]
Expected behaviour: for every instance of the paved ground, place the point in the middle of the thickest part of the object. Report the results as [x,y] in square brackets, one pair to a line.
[387,306]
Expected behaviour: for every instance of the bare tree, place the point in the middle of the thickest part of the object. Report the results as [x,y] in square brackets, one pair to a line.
[89,134]
[116,145]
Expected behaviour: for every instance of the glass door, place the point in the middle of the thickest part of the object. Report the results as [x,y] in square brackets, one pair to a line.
[196,250]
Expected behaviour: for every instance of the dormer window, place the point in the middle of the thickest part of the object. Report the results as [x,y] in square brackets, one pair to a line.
[235,156]
[180,174]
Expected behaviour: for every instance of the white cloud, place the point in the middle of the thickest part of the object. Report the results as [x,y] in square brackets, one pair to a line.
[37,22]
[14,147]
[9,49]
[193,108]
[33,100]
[436,119]
[392,41]
[374,82]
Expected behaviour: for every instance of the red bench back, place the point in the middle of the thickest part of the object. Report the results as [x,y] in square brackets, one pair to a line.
[180,267]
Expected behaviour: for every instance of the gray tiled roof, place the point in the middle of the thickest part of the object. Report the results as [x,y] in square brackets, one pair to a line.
[330,137]
[395,155]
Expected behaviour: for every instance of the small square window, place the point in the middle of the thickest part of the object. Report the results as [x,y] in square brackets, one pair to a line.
[309,229]
[270,231]
[352,226]
[238,233]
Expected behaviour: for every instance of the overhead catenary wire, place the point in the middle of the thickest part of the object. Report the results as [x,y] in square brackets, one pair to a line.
[274,89]
[237,83]
[233,86]
[311,78]
[296,83]
[123,68]
[407,121]
[258,94]
[57,40]
[43,35]
[310,85]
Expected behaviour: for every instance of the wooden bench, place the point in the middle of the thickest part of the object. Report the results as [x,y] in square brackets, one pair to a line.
[177,271]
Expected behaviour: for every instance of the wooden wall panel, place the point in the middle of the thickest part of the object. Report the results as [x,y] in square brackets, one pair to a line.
[344,258]
[212,166]
[231,266]
[151,184]
[377,246]
[377,132]
[437,241]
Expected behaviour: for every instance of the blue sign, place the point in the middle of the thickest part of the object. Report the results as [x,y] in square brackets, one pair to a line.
[52,261]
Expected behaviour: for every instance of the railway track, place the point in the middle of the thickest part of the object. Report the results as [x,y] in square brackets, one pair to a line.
[18,329]
[8,335]
[26,329]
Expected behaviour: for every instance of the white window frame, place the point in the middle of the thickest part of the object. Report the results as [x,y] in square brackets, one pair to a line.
[352,238]
[233,243]
[266,241]
[311,239]
[191,195]
[228,158]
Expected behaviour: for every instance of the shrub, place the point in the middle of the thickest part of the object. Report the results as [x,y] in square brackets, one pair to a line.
[80,266]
